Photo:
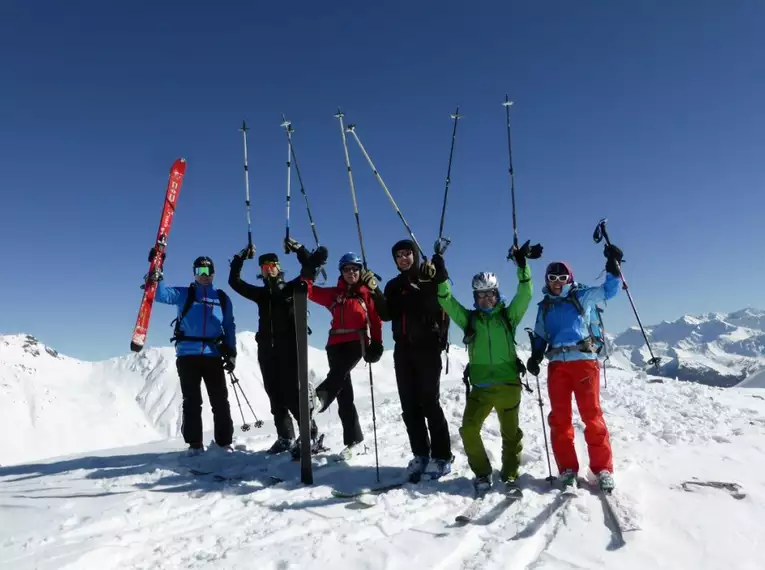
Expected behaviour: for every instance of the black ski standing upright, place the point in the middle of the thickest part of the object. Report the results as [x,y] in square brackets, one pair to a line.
[300,306]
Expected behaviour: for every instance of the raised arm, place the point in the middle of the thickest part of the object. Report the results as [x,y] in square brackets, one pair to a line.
[229,326]
[520,303]
[603,292]
[459,314]
[251,292]
[170,295]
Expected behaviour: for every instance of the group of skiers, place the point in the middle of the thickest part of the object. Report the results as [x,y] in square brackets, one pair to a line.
[420,306]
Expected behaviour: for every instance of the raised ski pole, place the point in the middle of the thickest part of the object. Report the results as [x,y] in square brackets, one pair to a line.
[550,478]
[289,132]
[288,127]
[340,116]
[235,384]
[247,192]
[599,235]
[605,345]
[352,129]
[444,242]
[535,251]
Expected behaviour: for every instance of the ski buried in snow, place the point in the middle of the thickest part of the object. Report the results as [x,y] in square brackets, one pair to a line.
[158,254]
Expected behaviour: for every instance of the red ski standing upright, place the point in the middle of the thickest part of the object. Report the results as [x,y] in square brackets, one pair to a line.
[157,257]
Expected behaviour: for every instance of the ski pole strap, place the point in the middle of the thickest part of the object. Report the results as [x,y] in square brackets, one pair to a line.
[585,345]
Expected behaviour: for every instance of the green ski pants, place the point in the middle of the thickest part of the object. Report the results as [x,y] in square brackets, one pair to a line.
[506,399]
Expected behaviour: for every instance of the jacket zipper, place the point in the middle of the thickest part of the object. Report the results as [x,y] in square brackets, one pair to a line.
[204,318]
[491,356]
[271,320]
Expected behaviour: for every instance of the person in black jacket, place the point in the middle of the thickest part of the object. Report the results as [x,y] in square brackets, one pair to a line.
[276,337]
[419,331]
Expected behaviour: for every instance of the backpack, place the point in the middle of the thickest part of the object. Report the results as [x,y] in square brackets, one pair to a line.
[595,341]
[470,337]
[179,335]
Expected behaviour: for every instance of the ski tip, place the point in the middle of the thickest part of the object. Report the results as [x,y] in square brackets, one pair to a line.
[135,347]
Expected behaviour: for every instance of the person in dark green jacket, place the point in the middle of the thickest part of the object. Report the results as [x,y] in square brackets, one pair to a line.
[494,375]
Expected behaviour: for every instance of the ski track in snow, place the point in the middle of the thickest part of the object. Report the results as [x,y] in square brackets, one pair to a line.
[140,507]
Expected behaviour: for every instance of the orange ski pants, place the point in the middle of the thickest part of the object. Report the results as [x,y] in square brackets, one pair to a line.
[582,377]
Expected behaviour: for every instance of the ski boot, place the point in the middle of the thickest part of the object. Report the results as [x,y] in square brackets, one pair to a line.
[443,467]
[195,450]
[512,489]
[482,485]
[569,483]
[416,468]
[606,481]
[281,445]
[347,452]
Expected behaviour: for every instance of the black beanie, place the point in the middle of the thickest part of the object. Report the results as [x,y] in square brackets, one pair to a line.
[406,244]
[268,258]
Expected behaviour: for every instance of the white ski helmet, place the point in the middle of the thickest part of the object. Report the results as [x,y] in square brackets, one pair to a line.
[485,281]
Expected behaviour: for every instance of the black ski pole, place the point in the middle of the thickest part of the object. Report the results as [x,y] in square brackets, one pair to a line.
[443,242]
[352,129]
[340,116]
[247,191]
[535,251]
[234,384]
[599,235]
[302,189]
[605,345]
[288,127]
[550,478]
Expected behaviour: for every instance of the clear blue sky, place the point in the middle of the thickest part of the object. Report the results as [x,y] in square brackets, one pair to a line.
[649,113]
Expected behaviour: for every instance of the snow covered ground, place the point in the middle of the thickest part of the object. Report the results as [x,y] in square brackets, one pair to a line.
[137,505]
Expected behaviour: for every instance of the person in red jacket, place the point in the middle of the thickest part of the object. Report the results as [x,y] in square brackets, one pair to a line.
[355,333]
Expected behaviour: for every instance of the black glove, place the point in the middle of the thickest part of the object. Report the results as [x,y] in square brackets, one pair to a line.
[291,245]
[153,252]
[519,254]
[614,257]
[374,351]
[427,271]
[229,362]
[315,260]
[532,364]
[441,273]
[246,253]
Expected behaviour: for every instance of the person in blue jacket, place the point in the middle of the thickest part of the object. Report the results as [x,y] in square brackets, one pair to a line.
[564,333]
[205,348]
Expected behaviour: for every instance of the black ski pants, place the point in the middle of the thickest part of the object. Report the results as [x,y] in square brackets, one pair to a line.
[192,369]
[418,377]
[278,366]
[342,359]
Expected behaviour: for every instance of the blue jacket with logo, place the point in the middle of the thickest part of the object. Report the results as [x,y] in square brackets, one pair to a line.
[564,326]
[205,318]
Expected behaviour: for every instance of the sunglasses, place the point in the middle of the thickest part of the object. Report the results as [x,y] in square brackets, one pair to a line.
[351,269]
[553,278]
[485,294]
[403,254]
[202,271]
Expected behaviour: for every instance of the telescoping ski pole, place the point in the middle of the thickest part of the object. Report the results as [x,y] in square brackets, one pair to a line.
[289,130]
[605,345]
[443,242]
[250,249]
[535,251]
[550,478]
[340,116]
[235,384]
[601,234]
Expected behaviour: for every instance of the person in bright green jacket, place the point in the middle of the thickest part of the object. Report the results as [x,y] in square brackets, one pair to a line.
[494,374]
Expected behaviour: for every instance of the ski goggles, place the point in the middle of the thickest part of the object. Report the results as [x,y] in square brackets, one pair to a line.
[560,278]
[202,271]
[485,294]
[268,266]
